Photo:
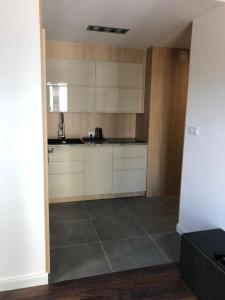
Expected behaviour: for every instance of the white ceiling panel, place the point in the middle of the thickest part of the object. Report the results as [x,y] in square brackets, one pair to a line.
[151,22]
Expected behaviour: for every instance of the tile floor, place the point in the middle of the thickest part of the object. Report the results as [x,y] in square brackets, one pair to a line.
[103,236]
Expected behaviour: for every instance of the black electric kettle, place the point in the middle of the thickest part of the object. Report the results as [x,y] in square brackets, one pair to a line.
[98,133]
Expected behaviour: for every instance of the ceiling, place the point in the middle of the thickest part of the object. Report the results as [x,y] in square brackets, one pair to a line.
[151,22]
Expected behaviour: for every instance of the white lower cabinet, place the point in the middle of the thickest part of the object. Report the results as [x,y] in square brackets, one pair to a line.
[76,171]
[129,168]
[66,185]
[129,181]
[98,170]
[66,171]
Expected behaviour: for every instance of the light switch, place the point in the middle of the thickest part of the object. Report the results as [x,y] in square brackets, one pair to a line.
[193,130]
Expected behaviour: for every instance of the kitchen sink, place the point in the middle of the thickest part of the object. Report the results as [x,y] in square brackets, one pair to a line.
[64,141]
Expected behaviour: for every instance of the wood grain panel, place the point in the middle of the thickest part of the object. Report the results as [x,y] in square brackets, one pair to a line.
[177,125]
[142,120]
[78,124]
[96,197]
[45,143]
[159,282]
[164,119]
[160,101]
[82,51]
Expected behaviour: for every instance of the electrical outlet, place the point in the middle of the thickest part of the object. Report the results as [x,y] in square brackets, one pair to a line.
[91,134]
[194,130]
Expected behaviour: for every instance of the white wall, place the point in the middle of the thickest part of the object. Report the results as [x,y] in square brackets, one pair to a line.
[22,235]
[203,179]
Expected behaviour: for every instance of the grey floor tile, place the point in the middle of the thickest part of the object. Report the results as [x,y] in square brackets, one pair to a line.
[67,211]
[104,208]
[133,253]
[71,233]
[142,205]
[111,228]
[158,222]
[77,262]
[171,202]
[169,244]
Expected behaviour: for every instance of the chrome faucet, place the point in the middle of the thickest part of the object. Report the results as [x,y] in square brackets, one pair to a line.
[61,129]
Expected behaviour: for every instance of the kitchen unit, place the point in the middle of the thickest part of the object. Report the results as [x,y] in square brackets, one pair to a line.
[108,170]
[120,91]
[93,86]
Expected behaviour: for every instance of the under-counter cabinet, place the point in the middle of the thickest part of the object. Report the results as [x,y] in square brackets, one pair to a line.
[98,170]
[129,169]
[85,172]
[66,171]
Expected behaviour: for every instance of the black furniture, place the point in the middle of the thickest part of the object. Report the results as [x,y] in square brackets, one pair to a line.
[202,263]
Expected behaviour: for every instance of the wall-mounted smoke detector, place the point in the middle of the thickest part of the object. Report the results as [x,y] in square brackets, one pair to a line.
[107,29]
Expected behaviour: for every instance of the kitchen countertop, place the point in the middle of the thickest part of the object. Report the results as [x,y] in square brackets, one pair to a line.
[106,142]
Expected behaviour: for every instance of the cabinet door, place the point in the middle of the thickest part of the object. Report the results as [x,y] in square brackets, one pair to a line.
[118,100]
[77,72]
[81,99]
[129,181]
[119,74]
[66,185]
[98,170]
[64,98]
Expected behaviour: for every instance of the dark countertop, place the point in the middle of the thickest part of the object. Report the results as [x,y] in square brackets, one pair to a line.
[107,141]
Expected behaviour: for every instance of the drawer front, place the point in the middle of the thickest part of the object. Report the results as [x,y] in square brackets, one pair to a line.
[66,185]
[129,151]
[67,167]
[129,163]
[129,181]
[67,153]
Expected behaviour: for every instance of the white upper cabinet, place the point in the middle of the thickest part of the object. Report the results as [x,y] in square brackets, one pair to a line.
[81,99]
[118,100]
[74,72]
[94,86]
[65,98]
[113,74]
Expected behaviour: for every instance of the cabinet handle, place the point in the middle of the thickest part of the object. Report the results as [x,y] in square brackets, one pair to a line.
[50,150]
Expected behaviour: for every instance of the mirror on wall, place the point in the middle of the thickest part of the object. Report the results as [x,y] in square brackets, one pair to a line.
[57,97]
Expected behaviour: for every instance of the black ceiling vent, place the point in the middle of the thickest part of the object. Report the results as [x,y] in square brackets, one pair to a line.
[107,29]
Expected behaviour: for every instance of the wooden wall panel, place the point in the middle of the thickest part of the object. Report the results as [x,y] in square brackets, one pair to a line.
[177,126]
[160,98]
[165,100]
[142,120]
[78,124]
[65,50]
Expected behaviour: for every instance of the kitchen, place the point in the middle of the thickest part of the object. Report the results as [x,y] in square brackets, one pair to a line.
[114,155]
[98,181]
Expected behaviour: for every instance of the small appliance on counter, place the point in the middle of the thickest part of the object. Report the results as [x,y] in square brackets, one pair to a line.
[97,138]
[98,133]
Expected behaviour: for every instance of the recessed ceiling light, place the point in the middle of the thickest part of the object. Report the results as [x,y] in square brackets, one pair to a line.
[107,29]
